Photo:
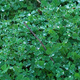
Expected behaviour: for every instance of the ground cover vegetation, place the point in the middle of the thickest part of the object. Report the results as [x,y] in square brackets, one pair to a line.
[56,23]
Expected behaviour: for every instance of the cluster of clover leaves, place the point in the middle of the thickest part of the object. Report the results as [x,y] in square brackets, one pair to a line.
[39,40]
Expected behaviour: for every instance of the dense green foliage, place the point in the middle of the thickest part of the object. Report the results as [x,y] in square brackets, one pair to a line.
[57,25]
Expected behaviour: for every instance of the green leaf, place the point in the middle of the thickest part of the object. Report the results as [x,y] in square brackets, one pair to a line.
[48,51]
[72,68]
[40,64]
[75,35]
[59,72]
[4,68]
[77,75]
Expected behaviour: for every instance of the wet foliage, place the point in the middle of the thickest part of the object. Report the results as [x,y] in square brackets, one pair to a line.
[56,23]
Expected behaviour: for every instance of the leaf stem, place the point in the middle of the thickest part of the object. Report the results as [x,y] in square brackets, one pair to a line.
[37,38]
[35,35]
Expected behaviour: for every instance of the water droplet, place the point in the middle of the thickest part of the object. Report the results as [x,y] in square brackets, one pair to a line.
[67,6]
[69,25]
[2,10]
[49,41]
[44,63]
[57,26]
[62,72]
[78,1]
[44,34]
[24,42]
[4,30]
[69,76]
[71,4]
[5,5]
[63,65]
[21,0]
[29,14]
[25,21]
[78,67]
[0,26]
[50,9]
[19,29]
[38,48]
[52,54]
[68,34]
[11,67]
[42,27]
[66,68]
